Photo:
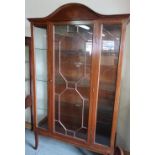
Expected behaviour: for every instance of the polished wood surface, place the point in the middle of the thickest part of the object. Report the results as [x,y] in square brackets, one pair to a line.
[50,77]
[75,14]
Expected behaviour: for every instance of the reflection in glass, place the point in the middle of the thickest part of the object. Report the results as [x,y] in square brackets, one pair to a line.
[73,48]
[27,53]
[27,71]
[40,49]
[107,82]
[27,81]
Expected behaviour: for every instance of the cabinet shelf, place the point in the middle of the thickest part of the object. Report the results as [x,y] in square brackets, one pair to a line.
[73,52]
[41,80]
[41,49]
[37,80]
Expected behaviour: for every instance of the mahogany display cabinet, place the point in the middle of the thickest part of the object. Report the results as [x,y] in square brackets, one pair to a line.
[76,73]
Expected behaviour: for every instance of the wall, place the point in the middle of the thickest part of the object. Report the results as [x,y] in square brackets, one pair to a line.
[41,8]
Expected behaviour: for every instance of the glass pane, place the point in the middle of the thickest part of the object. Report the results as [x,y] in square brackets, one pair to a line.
[40,49]
[26,53]
[107,82]
[27,87]
[27,71]
[73,47]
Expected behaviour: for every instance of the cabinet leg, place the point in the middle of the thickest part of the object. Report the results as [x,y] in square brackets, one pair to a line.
[118,151]
[36,139]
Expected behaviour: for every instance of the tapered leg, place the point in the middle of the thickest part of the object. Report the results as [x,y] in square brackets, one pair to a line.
[36,139]
[118,151]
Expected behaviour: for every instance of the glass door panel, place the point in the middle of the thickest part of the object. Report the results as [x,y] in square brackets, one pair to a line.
[40,49]
[73,48]
[27,77]
[27,71]
[107,82]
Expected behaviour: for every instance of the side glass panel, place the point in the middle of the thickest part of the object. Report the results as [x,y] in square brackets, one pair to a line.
[40,49]
[107,82]
[73,48]
[27,81]
[27,71]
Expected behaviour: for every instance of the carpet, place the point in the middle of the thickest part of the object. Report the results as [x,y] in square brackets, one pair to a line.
[49,146]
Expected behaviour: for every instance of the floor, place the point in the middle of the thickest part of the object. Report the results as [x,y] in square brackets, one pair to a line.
[48,146]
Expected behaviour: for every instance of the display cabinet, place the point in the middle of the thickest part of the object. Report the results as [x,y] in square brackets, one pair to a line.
[77,60]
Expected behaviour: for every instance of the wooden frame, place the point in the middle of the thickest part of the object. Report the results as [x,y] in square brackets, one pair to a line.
[74,13]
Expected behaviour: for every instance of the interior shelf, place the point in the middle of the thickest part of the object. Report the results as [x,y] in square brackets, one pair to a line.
[37,80]
[41,49]
[41,80]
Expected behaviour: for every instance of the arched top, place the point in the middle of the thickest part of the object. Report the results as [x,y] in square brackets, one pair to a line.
[75,11]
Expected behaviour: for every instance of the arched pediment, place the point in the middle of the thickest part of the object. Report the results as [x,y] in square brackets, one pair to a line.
[74,11]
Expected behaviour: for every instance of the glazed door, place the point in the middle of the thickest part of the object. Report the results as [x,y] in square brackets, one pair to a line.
[108,66]
[72,63]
